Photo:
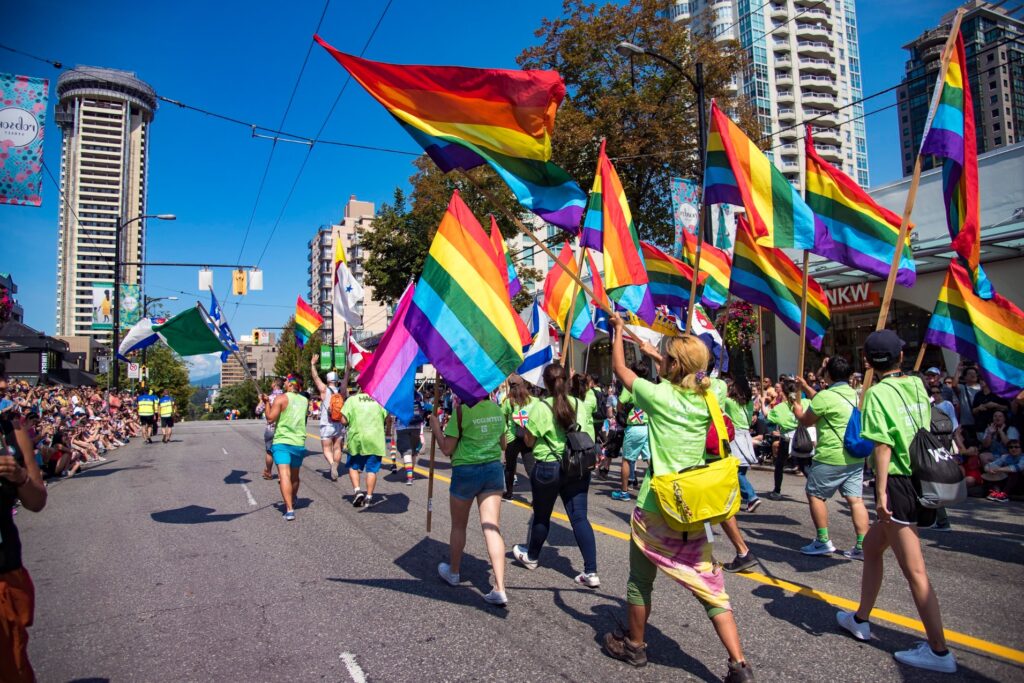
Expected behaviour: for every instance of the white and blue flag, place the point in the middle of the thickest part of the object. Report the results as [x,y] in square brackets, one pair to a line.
[221,324]
[541,353]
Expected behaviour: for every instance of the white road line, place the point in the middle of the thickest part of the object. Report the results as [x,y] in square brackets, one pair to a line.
[225,450]
[354,670]
[248,494]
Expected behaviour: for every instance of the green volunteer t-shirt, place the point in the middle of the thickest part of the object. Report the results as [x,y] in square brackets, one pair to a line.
[483,425]
[589,405]
[515,415]
[738,413]
[636,416]
[886,419]
[678,421]
[783,417]
[365,425]
[550,435]
[833,406]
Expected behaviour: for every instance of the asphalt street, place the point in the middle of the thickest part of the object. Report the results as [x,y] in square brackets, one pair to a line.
[172,563]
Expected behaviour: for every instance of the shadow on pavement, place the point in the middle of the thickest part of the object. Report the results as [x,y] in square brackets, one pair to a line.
[391,504]
[193,514]
[100,471]
[237,477]
[784,548]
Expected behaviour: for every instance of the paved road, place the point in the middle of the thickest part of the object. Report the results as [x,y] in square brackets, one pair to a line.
[171,562]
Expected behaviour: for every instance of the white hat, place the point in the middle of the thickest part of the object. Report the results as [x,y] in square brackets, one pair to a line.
[332,376]
[933,371]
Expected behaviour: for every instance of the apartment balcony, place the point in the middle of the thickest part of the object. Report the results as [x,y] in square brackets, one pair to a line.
[783,78]
[813,31]
[780,28]
[819,98]
[783,59]
[826,136]
[788,149]
[779,12]
[822,117]
[830,153]
[790,134]
[813,48]
[790,164]
[818,84]
[817,66]
[807,4]
[784,96]
[818,14]
[787,114]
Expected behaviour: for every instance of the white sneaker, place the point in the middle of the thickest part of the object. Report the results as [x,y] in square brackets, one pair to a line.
[444,570]
[816,547]
[922,657]
[858,631]
[496,597]
[520,553]
[588,580]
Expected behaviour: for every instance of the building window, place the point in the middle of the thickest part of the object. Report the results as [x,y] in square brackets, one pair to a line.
[999,140]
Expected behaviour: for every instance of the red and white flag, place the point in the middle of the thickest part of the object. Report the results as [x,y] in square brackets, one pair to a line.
[358,357]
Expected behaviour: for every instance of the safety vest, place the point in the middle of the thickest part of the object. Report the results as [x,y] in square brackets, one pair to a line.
[166,406]
[147,405]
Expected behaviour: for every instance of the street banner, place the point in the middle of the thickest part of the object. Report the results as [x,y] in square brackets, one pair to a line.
[22,115]
[325,356]
[131,306]
[103,305]
[685,207]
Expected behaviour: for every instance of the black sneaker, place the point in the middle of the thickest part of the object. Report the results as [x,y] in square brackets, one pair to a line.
[772,495]
[739,672]
[359,499]
[616,645]
[738,564]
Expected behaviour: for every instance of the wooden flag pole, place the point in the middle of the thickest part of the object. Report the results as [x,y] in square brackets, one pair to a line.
[433,450]
[802,352]
[920,356]
[567,357]
[908,208]
[760,343]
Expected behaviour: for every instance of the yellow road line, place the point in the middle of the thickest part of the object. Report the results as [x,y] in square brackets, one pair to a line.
[988,647]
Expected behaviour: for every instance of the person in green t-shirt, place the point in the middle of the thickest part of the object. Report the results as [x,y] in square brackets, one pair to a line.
[549,419]
[366,421]
[894,409]
[678,420]
[739,406]
[515,407]
[288,414]
[474,439]
[832,468]
[782,417]
[635,441]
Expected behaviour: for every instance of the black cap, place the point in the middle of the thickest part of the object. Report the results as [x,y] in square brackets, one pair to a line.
[883,346]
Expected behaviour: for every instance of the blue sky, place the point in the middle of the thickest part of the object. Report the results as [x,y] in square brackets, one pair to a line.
[241,59]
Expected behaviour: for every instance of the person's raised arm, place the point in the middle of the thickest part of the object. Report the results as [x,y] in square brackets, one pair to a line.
[320,386]
[619,367]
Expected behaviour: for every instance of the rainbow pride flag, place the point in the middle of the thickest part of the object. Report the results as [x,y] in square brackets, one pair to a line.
[515,285]
[863,233]
[950,134]
[608,228]
[465,117]
[461,315]
[766,277]
[307,321]
[988,331]
[569,313]
[669,278]
[389,376]
[737,172]
[715,270]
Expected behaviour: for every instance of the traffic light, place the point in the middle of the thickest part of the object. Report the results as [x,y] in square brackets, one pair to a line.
[238,283]
[256,337]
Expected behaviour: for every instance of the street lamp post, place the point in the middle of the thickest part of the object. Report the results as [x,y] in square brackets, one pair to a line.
[627,49]
[116,338]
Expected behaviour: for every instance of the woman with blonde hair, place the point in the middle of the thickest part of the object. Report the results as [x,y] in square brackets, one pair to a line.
[678,420]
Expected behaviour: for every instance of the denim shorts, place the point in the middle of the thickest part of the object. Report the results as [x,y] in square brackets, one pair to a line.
[364,463]
[470,481]
[824,480]
[288,455]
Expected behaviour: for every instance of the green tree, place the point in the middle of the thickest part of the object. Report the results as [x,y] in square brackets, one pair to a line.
[292,359]
[644,108]
[167,370]
[242,397]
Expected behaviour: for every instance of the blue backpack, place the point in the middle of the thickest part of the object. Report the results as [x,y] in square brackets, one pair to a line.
[853,444]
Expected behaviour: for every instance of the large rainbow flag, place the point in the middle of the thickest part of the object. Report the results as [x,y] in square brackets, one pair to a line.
[461,315]
[570,313]
[389,376]
[465,117]
[737,172]
[950,134]
[989,331]
[715,270]
[669,278]
[307,321]
[863,233]
[765,276]
[608,228]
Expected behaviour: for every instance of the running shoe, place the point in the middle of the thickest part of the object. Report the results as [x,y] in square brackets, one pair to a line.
[739,672]
[854,554]
[774,495]
[359,499]
[621,495]
[634,484]
[289,516]
[496,597]
[740,562]
[940,526]
[618,646]
[1003,498]
[334,473]
[993,496]
[444,570]
[922,657]
[753,505]
[522,557]
[817,547]
[507,495]
[860,631]
[589,580]
[408,481]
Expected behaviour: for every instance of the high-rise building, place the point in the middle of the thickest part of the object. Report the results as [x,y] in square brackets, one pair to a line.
[104,115]
[260,359]
[994,49]
[357,219]
[804,65]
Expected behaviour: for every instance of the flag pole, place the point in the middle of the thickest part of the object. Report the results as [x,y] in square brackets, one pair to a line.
[567,359]
[433,449]
[908,208]
[802,352]
[920,356]
[760,343]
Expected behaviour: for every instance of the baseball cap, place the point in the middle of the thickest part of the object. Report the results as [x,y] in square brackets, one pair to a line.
[332,376]
[883,346]
[933,371]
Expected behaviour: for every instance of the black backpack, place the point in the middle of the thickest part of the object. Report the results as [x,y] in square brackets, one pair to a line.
[579,457]
[942,428]
[601,409]
[938,480]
